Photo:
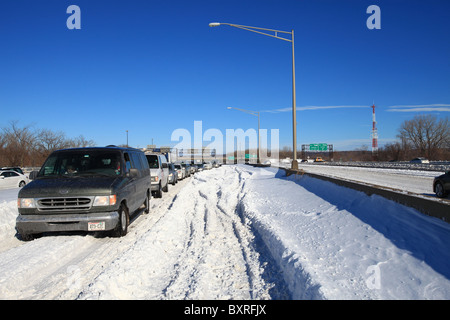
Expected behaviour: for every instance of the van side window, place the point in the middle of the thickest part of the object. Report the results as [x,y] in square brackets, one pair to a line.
[144,161]
[127,161]
[136,161]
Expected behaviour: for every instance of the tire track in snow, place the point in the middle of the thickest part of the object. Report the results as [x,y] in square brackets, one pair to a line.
[222,267]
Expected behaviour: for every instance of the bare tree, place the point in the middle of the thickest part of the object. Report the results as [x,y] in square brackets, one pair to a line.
[48,140]
[426,134]
[80,141]
[22,146]
[18,143]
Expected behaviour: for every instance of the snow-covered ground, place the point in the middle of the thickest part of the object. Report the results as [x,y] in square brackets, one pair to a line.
[239,232]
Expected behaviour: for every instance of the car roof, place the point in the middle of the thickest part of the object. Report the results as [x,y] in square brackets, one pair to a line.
[99,149]
[1,171]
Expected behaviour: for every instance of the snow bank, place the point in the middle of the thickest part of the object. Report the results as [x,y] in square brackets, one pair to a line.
[8,213]
[336,243]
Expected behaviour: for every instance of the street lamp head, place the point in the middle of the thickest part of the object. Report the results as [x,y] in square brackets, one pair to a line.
[229,108]
[214,24]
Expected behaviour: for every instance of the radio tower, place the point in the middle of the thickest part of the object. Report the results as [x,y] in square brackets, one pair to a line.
[374,134]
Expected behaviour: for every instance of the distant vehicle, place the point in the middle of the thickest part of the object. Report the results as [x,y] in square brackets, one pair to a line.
[85,189]
[16,169]
[159,172]
[187,168]
[441,185]
[180,170]
[193,168]
[12,179]
[319,159]
[419,160]
[173,174]
[207,166]
[199,166]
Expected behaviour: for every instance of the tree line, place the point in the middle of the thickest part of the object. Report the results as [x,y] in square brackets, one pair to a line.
[422,136]
[26,146]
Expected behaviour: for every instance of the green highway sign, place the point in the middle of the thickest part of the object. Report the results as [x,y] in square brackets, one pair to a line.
[318,147]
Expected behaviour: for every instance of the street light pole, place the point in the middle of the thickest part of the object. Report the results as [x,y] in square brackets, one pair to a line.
[254,113]
[294,108]
[275,35]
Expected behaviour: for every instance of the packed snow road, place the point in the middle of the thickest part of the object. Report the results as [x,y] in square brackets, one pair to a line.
[239,232]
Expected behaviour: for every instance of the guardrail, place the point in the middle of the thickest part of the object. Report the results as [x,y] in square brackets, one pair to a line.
[439,208]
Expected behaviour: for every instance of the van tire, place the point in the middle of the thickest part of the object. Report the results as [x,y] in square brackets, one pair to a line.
[124,220]
[166,188]
[158,193]
[147,203]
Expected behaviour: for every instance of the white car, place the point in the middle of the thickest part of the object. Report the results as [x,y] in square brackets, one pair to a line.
[159,172]
[12,179]
[181,171]
[207,166]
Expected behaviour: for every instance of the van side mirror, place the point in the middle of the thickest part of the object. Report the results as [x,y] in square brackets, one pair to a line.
[134,173]
[164,165]
[33,175]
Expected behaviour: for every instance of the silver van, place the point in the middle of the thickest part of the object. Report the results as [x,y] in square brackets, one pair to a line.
[159,172]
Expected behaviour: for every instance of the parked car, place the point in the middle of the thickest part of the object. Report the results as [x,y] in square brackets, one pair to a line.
[173,174]
[193,168]
[12,179]
[85,189]
[187,168]
[419,160]
[159,171]
[207,165]
[199,166]
[180,170]
[319,159]
[17,169]
[441,185]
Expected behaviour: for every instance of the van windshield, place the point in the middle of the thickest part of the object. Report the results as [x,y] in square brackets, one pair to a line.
[152,161]
[82,163]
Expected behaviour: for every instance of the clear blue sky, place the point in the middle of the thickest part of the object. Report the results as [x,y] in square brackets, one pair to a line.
[151,67]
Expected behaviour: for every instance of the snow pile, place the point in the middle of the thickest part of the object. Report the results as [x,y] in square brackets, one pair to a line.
[336,243]
[8,213]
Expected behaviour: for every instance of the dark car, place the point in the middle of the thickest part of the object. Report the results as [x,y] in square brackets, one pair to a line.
[85,189]
[441,185]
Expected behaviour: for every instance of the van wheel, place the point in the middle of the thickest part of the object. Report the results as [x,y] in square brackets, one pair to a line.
[166,188]
[147,203]
[158,193]
[124,219]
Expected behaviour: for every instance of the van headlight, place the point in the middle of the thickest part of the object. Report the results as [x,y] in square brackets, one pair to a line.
[27,203]
[154,179]
[105,200]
